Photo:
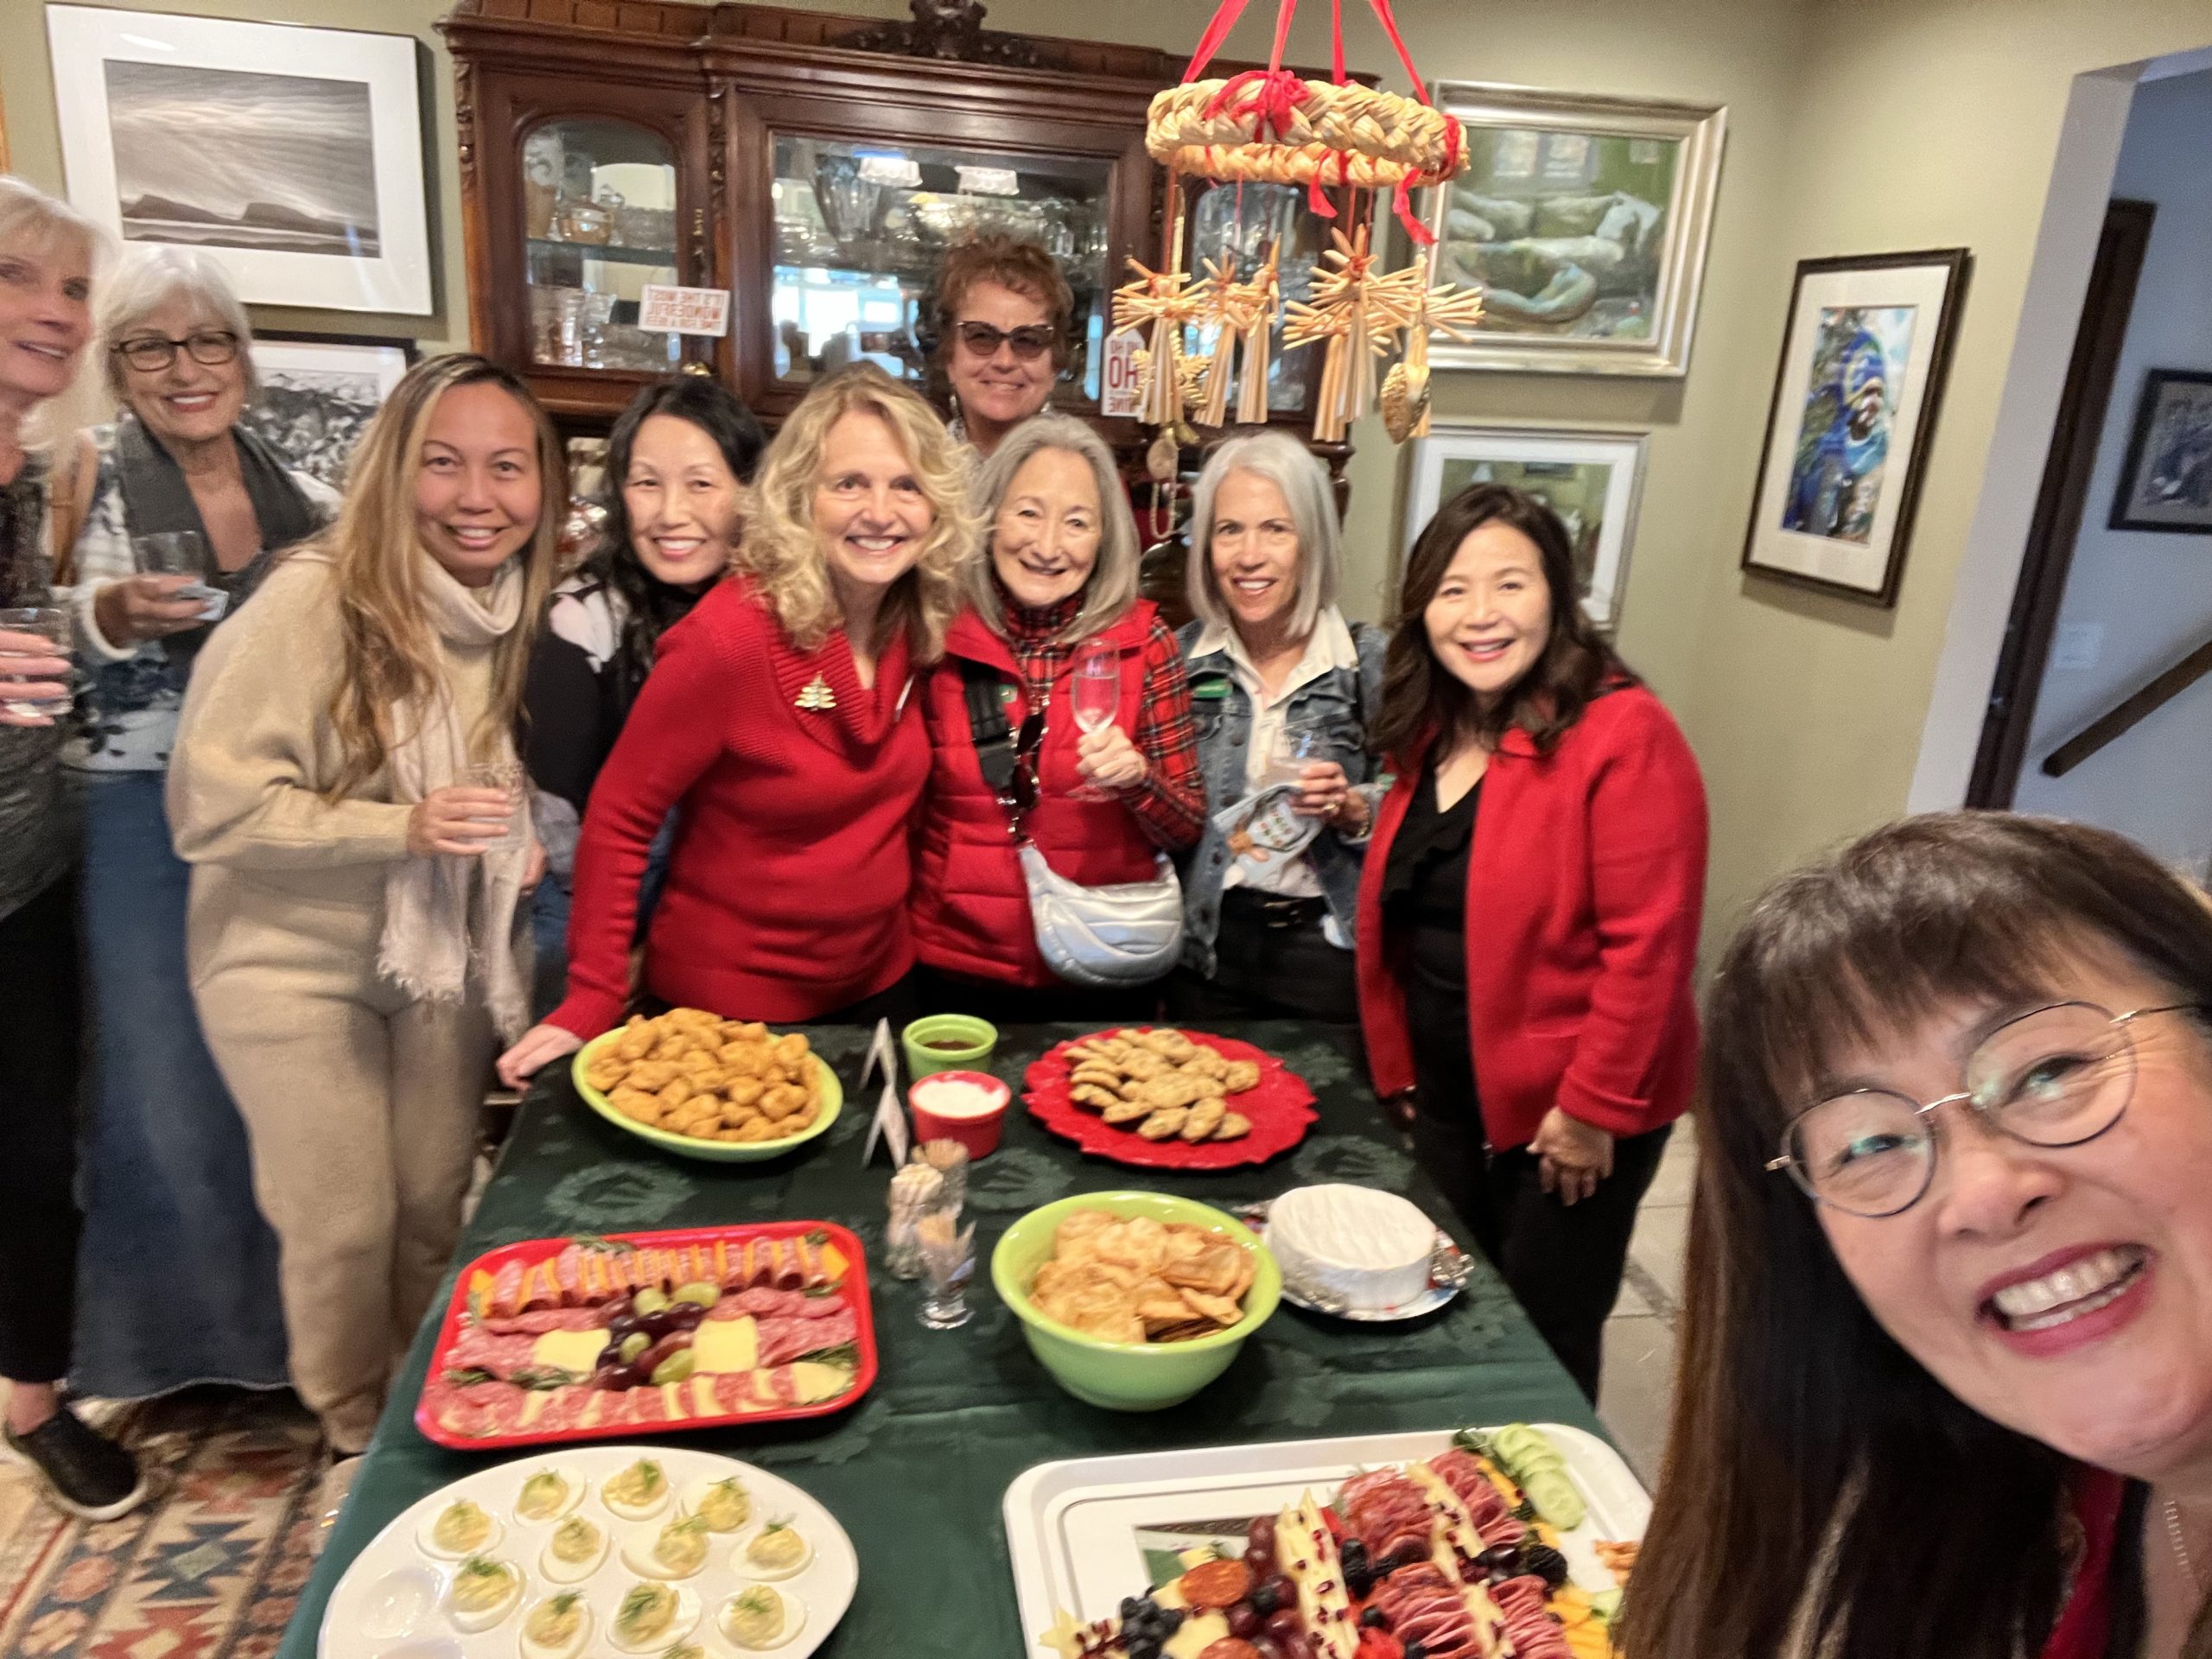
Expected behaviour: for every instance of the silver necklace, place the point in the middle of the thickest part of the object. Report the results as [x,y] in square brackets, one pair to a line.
[2180,1549]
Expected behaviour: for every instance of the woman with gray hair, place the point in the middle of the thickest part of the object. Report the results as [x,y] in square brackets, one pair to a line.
[1058,578]
[1285,692]
[181,507]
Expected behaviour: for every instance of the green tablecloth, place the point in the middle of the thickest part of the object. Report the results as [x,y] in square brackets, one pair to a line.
[916,1471]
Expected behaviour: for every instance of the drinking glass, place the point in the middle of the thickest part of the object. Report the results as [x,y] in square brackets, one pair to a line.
[1095,690]
[183,553]
[505,776]
[1293,749]
[50,624]
[948,1263]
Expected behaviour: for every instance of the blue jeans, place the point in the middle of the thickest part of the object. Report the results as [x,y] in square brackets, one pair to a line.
[549,921]
[177,1275]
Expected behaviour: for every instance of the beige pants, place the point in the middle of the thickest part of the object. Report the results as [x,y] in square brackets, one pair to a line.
[361,1108]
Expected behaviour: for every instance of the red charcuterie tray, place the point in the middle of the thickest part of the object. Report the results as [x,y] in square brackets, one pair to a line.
[516,1357]
[1279,1105]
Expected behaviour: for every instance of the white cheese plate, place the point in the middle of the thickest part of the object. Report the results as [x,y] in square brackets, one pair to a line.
[391,1602]
[1083,1531]
[1449,1269]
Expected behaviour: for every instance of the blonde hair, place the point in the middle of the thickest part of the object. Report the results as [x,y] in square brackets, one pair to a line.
[1111,587]
[150,277]
[782,551]
[389,655]
[33,222]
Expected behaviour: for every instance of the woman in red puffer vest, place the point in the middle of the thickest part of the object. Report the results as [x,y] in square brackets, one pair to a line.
[1061,574]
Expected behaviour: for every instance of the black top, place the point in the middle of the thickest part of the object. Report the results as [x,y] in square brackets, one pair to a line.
[1425,927]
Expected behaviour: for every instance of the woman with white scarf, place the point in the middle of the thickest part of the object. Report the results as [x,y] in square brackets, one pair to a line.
[355,944]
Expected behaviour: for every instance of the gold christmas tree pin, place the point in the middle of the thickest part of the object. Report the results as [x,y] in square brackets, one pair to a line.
[816,698]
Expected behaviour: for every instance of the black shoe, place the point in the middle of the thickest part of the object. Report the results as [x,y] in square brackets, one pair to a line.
[87,1473]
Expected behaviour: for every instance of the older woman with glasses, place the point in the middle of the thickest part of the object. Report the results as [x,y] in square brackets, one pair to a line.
[1950,1271]
[1010,758]
[181,502]
[1001,312]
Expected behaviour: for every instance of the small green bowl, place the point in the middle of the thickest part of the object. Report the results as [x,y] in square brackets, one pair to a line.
[1126,1376]
[977,1038]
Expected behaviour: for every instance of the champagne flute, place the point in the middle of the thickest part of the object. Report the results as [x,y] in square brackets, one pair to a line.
[1095,690]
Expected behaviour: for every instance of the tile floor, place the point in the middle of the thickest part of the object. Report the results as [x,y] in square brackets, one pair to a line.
[1637,1389]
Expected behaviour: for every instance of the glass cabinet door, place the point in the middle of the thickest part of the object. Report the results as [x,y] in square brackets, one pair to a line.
[1241,222]
[861,227]
[599,210]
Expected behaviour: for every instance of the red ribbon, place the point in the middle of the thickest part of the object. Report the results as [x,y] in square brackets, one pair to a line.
[1224,19]
[1270,95]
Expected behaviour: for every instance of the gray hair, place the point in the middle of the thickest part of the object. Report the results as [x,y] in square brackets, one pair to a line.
[148,279]
[1112,586]
[1298,472]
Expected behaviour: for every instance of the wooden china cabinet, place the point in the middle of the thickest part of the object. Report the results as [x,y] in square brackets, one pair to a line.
[817,167]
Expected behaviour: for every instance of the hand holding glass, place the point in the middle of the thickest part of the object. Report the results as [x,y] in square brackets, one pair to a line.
[33,665]
[183,553]
[1094,690]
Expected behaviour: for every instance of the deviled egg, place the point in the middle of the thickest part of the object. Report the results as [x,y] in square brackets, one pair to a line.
[724,1506]
[652,1615]
[677,1551]
[779,1550]
[573,1552]
[558,1627]
[639,1492]
[548,1495]
[760,1616]
[484,1592]
[461,1528]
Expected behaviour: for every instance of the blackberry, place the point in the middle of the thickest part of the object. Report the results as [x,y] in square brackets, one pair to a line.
[1546,1562]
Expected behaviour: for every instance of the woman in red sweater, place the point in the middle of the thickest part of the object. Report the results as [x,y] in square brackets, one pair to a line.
[1101,806]
[780,721]
[1528,911]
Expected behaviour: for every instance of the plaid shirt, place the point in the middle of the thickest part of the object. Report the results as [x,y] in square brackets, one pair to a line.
[1170,800]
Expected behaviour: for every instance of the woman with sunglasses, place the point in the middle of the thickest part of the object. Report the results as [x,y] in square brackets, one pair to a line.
[1949,1309]
[179,1269]
[1061,574]
[1000,312]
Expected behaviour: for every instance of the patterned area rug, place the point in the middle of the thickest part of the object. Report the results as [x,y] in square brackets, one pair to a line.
[209,1568]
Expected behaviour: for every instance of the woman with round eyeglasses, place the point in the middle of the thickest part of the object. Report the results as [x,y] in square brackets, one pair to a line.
[1001,310]
[1949,1283]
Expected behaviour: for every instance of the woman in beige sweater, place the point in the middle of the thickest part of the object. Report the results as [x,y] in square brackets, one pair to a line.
[353,940]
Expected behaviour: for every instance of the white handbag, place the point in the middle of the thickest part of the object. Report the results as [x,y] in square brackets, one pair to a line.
[1126,934]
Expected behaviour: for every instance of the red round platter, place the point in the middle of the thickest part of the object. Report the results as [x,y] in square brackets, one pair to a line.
[1279,1105]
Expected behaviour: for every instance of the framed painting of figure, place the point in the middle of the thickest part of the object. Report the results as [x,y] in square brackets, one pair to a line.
[1865,347]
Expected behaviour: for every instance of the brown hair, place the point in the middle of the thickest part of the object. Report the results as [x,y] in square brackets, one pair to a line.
[390,651]
[1815,1472]
[1022,266]
[1421,698]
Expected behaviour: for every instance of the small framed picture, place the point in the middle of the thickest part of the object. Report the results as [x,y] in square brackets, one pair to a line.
[1865,349]
[1590,479]
[2166,483]
[292,155]
[318,392]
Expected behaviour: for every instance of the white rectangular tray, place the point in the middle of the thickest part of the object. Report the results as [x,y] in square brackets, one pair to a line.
[1072,1526]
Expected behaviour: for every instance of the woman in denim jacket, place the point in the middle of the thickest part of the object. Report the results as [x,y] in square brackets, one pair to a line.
[1284,692]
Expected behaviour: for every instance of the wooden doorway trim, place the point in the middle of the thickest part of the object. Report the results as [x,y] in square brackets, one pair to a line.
[2060,503]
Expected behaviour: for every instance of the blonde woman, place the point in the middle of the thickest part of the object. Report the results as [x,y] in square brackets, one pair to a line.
[353,940]
[779,721]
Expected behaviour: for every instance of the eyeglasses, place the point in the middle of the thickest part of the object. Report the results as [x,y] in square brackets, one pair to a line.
[2060,1075]
[209,347]
[1030,342]
[1018,798]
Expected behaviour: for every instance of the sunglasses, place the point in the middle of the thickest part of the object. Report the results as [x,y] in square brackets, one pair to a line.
[1019,799]
[1030,342]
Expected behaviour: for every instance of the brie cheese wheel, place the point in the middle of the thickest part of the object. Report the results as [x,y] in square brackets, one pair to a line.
[1369,1248]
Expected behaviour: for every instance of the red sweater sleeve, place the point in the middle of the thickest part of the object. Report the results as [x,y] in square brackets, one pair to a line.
[666,746]
[1170,801]
[1648,846]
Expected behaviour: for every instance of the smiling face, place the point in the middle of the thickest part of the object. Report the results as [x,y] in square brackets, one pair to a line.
[1492,615]
[478,487]
[682,499]
[46,317]
[2065,1293]
[869,509]
[1045,541]
[1254,549]
[1000,387]
[189,402]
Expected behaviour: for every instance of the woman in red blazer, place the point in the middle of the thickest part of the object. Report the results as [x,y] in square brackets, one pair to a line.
[783,722]
[1529,912]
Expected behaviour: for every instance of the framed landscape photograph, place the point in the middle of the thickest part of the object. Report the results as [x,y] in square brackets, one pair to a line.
[294,155]
[318,392]
[2166,483]
[1584,219]
[1591,480]
[1864,350]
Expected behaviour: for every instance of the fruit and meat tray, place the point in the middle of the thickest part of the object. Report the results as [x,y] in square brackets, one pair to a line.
[1453,1556]
[1156,1097]
[582,1339]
